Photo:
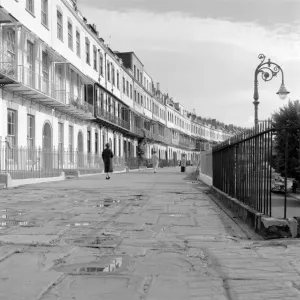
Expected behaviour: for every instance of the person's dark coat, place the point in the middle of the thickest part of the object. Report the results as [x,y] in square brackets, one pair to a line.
[107,156]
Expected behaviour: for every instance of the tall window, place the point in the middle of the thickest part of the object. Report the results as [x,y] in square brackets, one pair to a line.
[134,67]
[30,5]
[59,25]
[45,72]
[87,51]
[71,142]
[124,87]
[30,132]
[127,88]
[119,147]
[108,71]
[11,49]
[78,43]
[70,35]
[130,91]
[101,64]
[11,128]
[96,143]
[118,80]
[95,57]
[89,141]
[44,12]
[113,74]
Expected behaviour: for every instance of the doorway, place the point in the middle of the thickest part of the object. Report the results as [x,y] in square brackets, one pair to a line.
[47,146]
[80,156]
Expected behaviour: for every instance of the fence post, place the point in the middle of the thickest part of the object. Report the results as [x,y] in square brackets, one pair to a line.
[285,171]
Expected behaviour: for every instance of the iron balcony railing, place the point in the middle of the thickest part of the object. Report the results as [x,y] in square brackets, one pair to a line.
[137,130]
[22,162]
[105,115]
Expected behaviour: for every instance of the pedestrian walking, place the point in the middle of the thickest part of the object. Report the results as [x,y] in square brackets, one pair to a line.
[154,161]
[107,156]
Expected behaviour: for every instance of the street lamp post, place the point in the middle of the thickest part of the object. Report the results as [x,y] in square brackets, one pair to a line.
[268,70]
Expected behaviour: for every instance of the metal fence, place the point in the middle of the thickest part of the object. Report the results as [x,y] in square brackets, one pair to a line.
[22,163]
[242,168]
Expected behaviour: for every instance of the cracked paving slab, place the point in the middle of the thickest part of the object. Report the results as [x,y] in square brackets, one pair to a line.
[140,236]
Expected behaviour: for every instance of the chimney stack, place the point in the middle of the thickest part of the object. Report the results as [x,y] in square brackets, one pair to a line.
[157,86]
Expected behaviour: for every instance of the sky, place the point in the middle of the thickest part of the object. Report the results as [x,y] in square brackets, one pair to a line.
[204,52]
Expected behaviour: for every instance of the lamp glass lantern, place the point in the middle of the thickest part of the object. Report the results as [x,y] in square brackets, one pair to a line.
[283,92]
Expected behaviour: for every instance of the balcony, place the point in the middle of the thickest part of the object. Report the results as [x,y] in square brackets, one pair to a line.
[33,76]
[138,131]
[112,119]
[188,145]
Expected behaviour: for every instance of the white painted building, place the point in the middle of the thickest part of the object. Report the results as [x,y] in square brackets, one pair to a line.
[65,94]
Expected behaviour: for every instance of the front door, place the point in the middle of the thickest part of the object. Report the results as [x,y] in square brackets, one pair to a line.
[80,150]
[47,146]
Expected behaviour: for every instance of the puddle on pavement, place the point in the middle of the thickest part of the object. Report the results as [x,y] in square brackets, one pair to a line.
[79,224]
[108,202]
[16,223]
[11,215]
[106,264]
[177,215]
[105,241]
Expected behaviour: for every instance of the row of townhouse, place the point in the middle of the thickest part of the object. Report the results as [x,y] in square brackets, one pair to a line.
[63,89]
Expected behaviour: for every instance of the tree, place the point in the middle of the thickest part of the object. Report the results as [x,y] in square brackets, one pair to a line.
[287,124]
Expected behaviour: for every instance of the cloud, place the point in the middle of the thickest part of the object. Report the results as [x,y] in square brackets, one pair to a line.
[263,12]
[207,64]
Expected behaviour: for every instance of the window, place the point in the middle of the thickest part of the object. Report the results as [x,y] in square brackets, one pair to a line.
[127,88]
[138,98]
[11,49]
[124,87]
[118,80]
[96,143]
[135,96]
[30,132]
[60,136]
[119,147]
[113,74]
[108,71]
[95,57]
[130,91]
[30,6]
[44,12]
[87,51]
[134,71]
[11,128]
[101,64]
[71,142]
[45,72]
[138,75]
[89,141]
[78,43]
[59,25]
[70,35]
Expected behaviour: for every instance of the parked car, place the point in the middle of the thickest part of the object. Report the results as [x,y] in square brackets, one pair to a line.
[277,184]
